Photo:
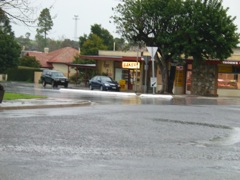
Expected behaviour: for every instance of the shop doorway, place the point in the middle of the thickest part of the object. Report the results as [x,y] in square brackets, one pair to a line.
[130,76]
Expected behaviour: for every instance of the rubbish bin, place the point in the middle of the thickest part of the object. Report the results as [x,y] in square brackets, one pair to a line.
[1,93]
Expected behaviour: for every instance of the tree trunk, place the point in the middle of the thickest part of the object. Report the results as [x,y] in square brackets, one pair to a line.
[171,79]
[163,65]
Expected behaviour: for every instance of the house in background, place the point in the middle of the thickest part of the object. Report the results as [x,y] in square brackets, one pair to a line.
[60,60]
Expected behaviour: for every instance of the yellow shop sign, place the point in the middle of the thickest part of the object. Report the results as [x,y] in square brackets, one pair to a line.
[130,65]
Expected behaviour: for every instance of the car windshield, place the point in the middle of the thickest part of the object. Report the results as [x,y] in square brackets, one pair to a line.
[57,74]
[106,79]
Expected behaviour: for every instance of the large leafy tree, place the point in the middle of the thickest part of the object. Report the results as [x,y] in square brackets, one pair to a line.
[9,49]
[45,24]
[200,28]
[155,23]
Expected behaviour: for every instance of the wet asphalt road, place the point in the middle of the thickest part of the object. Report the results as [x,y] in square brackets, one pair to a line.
[123,138]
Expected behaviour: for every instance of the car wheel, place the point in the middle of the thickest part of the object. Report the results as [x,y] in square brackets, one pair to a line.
[66,85]
[90,87]
[43,83]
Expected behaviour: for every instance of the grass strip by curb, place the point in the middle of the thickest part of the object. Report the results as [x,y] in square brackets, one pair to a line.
[14,96]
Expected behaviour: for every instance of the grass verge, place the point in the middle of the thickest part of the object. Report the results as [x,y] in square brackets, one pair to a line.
[14,96]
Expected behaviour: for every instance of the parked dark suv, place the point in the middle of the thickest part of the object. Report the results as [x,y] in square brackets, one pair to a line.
[53,78]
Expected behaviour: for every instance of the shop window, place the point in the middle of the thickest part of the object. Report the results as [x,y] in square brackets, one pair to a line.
[228,81]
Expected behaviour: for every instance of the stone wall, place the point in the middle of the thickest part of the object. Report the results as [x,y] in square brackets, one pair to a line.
[204,80]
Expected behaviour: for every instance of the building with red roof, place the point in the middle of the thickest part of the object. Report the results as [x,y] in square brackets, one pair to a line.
[64,56]
[60,60]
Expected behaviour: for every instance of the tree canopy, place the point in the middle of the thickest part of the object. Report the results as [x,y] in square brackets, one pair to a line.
[92,45]
[199,28]
[208,31]
[9,49]
[104,34]
[45,24]
[99,38]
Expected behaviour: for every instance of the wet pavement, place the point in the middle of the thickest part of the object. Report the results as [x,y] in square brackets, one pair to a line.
[119,136]
[145,141]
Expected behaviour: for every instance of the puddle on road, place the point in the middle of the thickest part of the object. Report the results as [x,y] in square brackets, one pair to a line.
[228,140]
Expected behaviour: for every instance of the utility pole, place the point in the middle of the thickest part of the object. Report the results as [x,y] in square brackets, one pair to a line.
[76,26]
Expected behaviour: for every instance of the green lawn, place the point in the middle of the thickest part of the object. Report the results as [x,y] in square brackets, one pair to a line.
[14,96]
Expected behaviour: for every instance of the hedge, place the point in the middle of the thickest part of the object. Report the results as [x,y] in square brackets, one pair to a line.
[25,74]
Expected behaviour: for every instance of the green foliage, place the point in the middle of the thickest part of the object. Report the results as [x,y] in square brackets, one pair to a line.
[92,45]
[25,41]
[103,34]
[22,74]
[29,61]
[120,44]
[83,75]
[98,39]
[30,45]
[82,40]
[69,43]
[208,31]
[152,21]
[45,24]
[78,60]
[9,49]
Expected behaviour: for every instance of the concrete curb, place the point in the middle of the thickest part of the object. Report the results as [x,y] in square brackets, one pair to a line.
[42,106]
[111,93]
[156,96]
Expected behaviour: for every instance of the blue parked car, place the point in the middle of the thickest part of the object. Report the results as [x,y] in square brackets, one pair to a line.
[104,83]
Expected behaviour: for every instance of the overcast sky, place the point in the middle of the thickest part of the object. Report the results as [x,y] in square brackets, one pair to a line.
[90,12]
